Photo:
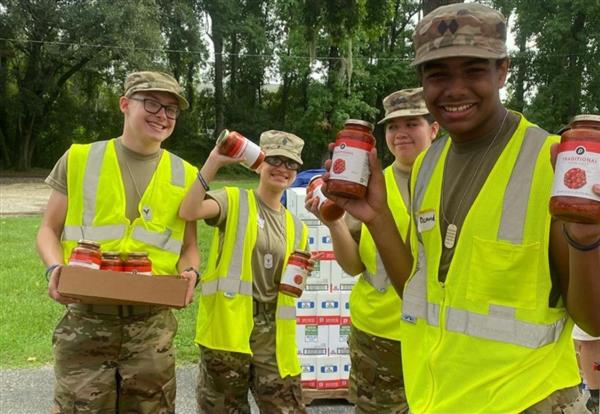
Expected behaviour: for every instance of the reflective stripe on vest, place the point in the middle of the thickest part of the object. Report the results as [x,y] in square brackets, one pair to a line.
[380,280]
[233,284]
[286,312]
[500,323]
[88,231]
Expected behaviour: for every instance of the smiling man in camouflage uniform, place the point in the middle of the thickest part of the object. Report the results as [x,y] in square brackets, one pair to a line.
[123,193]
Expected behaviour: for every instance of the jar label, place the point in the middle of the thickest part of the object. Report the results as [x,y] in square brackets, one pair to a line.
[577,170]
[84,263]
[350,162]
[251,153]
[294,276]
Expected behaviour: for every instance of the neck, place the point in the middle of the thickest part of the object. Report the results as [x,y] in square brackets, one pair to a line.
[402,166]
[486,131]
[271,198]
[139,144]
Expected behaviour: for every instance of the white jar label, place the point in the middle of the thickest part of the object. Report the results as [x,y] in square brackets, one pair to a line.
[350,162]
[295,276]
[251,151]
[577,170]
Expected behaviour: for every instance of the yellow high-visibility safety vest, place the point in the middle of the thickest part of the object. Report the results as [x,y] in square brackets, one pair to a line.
[486,340]
[225,319]
[96,209]
[375,307]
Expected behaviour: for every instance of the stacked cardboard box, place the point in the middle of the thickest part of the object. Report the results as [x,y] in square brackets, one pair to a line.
[323,313]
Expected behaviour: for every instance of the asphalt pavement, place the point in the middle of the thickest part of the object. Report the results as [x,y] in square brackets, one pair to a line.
[29,391]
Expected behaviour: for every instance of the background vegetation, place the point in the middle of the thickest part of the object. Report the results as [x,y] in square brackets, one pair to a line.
[299,65]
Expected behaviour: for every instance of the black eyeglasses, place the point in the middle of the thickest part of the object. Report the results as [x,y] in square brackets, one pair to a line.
[277,161]
[153,106]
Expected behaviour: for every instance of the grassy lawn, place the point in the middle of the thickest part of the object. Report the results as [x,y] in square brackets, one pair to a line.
[28,316]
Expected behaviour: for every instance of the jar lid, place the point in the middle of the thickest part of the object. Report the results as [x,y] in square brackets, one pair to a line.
[111,254]
[586,117]
[137,254]
[304,253]
[359,122]
[89,243]
[313,178]
[222,136]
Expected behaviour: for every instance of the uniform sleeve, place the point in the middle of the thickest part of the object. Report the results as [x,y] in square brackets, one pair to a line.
[220,196]
[57,179]
[354,225]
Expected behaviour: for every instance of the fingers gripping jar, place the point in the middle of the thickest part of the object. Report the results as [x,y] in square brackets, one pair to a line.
[233,144]
[294,276]
[328,210]
[349,173]
[577,170]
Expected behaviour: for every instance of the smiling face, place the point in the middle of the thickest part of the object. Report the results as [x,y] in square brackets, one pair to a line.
[462,94]
[146,128]
[276,178]
[408,136]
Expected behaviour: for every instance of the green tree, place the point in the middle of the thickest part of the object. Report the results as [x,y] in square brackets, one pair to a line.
[50,42]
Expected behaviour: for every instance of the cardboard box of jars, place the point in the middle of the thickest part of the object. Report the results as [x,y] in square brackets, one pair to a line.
[93,286]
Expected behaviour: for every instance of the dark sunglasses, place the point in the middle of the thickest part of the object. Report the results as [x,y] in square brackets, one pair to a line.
[277,161]
[153,106]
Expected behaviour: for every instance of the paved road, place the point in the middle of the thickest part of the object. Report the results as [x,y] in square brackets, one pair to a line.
[29,391]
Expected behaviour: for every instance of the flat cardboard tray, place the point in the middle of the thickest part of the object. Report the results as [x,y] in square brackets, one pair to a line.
[119,288]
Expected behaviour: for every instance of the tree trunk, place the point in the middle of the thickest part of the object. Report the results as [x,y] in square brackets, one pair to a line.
[518,101]
[574,66]
[219,96]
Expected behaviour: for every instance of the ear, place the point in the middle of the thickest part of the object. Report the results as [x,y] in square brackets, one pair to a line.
[435,128]
[123,104]
[503,72]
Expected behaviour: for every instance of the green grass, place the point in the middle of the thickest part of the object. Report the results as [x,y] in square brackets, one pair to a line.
[28,316]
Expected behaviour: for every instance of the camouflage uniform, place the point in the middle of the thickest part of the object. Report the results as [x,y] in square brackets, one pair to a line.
[93,349]
[224,378]
[567,401]
[376,382]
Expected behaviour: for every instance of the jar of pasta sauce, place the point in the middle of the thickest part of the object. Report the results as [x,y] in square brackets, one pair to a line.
[111,261]
[577,170]
[138,262]
[328,210]
[294,276]
[233,144]
[349,172]
[86,254]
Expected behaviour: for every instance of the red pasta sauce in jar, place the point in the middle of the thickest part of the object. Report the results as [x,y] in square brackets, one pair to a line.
[138,262]
[577,170]
[111,261]
[328,210]
[86,254]
[349,172]
[233,144]
[294,276]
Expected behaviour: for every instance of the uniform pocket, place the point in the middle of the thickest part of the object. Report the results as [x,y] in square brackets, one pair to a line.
[503,273]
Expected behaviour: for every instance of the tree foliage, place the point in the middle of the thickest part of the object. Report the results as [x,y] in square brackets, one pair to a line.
[303,66]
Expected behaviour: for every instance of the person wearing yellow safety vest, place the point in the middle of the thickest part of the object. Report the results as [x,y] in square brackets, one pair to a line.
[246,328]
[124,194]
[490,282]
[376,383]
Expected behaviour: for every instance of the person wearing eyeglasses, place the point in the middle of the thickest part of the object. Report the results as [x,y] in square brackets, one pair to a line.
[246,329]
[123,193]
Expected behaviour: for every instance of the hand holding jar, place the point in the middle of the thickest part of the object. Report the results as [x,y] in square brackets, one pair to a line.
[316,202]
[236,146]
[374,202]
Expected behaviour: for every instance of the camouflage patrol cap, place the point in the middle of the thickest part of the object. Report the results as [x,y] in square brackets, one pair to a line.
[281,143]
[406,102]
[155,81]
[457,30]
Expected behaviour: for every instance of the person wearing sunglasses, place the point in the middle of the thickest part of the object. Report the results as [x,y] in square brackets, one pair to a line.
[123,193]
[246,329]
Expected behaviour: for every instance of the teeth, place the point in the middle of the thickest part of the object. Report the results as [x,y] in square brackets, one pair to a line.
[457,108]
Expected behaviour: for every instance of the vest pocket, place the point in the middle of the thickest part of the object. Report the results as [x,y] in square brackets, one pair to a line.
[503,273]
